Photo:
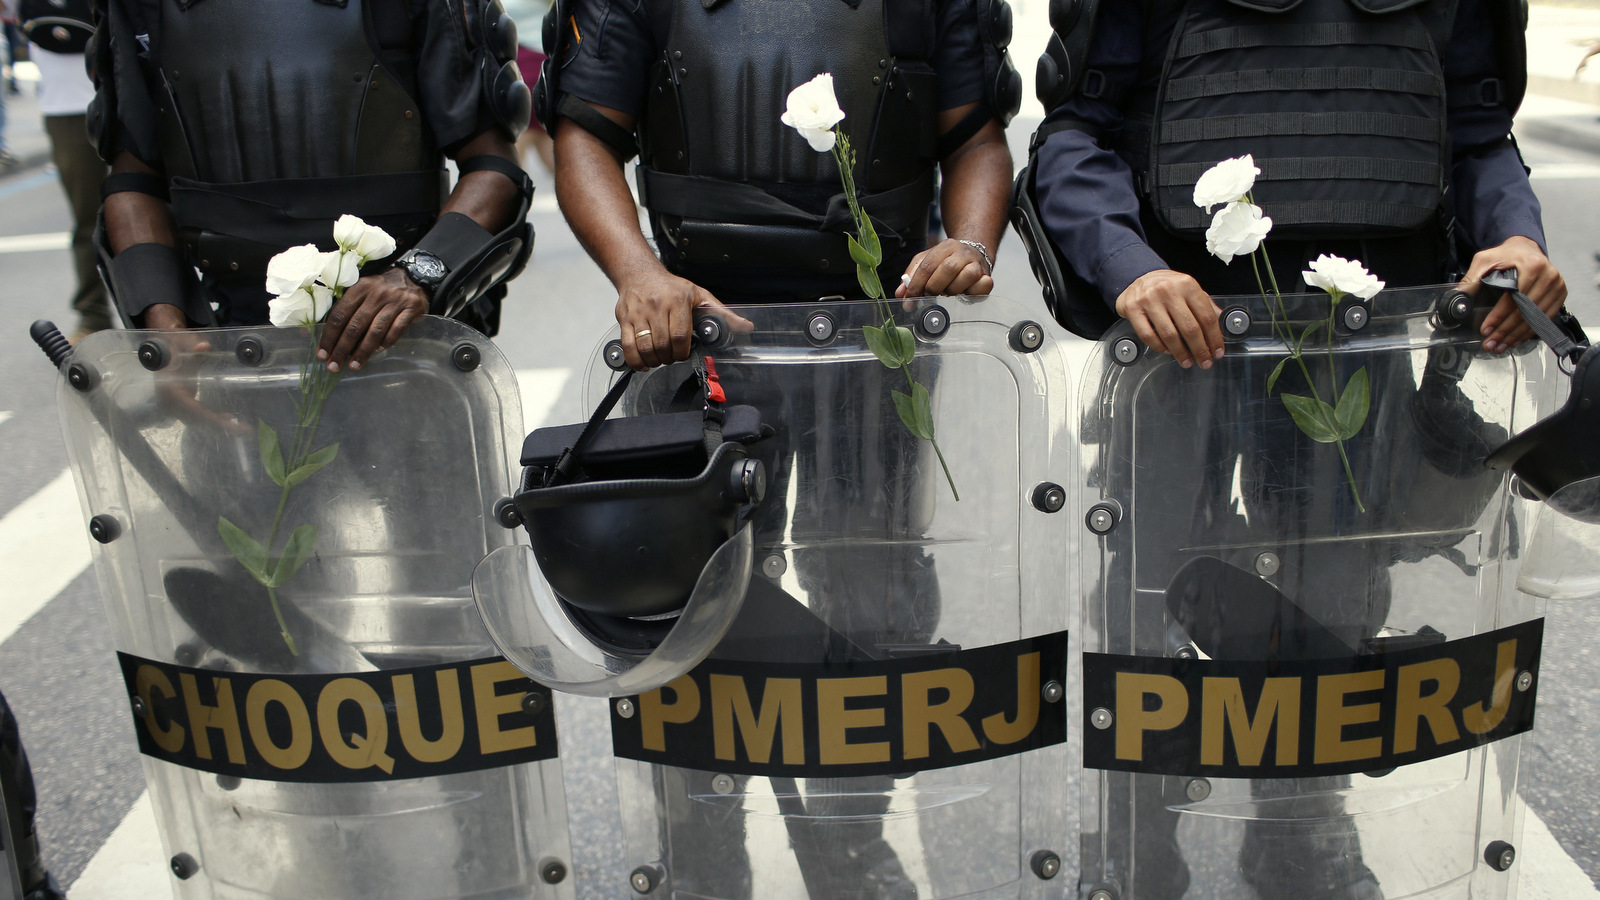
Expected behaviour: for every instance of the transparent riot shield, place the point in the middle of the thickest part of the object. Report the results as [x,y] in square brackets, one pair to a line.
[887,715]
[1306,659]
[287,572]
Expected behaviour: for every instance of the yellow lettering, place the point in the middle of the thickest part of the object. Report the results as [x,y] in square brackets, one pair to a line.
[1333,716]
[452,730]
[921,716]
[224,717]
[1411,706]
[491,706]
[834,721]
[655,713]
[1480,720]
[271,690]
[780,703]
[361,750]
[1008,731]
[148,681]
[1133,720]
[1223,711]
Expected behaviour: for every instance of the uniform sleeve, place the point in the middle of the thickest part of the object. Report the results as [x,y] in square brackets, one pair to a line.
[1494,200]
[122,116]
[449,88]
[615,51]
[958,54]
[1086,194]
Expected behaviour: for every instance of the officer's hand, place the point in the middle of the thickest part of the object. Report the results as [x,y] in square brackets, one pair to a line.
[948,267]
[177,385]
[373,315]
[656,309]
[1171,313]
[1536,277]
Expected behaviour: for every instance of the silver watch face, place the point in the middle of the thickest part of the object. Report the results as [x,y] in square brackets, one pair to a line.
[426,268]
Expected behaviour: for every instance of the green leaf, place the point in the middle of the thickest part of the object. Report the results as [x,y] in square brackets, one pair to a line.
[868,235]
[922,404]
[313,462]
[246,549]
[878,343]
[295,553]
[1305,336]
[1314,417]
[861,255]
[1273,378]
[1352,411]
[867,276]
[271,453]
[903,342]
[906,406]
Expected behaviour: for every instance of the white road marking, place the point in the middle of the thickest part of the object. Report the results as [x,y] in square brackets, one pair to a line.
[1565,172]
[131,864]
[27,243]
[541,388]
[44,545]
[4,415]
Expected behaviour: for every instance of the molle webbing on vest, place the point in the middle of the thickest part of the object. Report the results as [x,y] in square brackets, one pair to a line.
[1344,112]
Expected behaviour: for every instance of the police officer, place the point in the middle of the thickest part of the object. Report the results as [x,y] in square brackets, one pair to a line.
[1382,129]
[235,131]
[741,208]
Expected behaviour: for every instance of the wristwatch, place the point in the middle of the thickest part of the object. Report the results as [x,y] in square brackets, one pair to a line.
[427,270]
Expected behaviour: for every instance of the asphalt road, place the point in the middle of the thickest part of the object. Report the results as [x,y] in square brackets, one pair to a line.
[57,669]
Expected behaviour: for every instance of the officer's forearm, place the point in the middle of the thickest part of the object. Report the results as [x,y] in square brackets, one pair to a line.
[486,197]
[976,188]
[594,197]
[133,217]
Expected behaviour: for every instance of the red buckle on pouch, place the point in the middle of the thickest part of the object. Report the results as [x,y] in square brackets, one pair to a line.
[714,391]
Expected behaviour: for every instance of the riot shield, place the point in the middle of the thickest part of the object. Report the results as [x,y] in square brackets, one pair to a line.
[287,572]
[1306,662]
[887,714]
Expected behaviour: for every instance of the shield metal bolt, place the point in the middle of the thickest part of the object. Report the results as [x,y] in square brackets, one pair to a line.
[1198,789]
[645,878]
[1101,718]
[1355,318]
[1236,322]
[1184,652]
[1499,855]
[184,866]
[250,351]
[466,356]
[1102,518]
[709,330]
[1102,894]
[935,321]
[81,377]
[1524,680]
[722,784]
[139,709]
[1267,564]
[1456,310]
[1049,497]
[1125,351]
[533,703]
[1045,864]
[613,356]
[820,328]
[1027,337]
[104,528]
[1053,692]
[774,566]
[553,871]
[625,708]
[153,354]
[506,513]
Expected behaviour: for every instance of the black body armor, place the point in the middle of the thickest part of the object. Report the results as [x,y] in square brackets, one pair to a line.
[729,186]
[1355,145]
[271,130]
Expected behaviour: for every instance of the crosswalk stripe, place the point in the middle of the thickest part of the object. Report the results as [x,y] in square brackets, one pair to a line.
[541,389]
[44,545]
[131,865]
[4,415]
[27,243]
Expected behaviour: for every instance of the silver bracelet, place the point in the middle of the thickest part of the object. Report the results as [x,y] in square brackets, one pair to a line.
[982,251]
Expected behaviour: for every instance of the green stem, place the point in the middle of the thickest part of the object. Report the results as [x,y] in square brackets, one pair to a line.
[1349,475]
[283,627]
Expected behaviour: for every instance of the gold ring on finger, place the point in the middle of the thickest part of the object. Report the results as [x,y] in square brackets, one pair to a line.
[641,334]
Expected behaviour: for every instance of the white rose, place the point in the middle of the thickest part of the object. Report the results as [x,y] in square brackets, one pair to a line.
[339,269]
[1236,231]
[1338,275]
[813,110]
[375,243]
[305,306]
[347,231]
[1226,182]
[293,269]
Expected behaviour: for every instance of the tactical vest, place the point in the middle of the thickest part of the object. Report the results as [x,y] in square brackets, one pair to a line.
[727,185]
[1354,143]
[278,116]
